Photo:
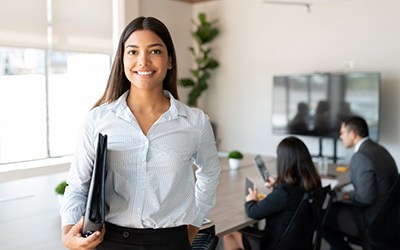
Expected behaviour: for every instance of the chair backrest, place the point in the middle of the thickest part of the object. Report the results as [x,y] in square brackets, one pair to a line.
[305,228]
[384,230]
[205,239]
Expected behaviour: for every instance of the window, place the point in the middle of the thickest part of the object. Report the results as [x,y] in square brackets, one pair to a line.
[54,65]
[41,112]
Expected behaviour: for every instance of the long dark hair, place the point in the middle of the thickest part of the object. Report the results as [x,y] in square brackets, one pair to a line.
[117,83]
[295,165]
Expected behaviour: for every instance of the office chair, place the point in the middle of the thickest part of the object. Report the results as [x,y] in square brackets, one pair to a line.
[304,231]
[205,239]
[384,231]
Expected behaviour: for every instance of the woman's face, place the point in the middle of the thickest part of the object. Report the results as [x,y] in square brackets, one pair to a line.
[146,60]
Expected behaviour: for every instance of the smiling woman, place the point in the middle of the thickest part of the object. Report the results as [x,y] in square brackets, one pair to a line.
[153,142]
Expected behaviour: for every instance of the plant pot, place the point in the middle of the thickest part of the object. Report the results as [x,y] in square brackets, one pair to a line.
[234,163]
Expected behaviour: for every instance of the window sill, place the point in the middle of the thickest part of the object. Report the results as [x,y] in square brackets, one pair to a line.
[15,171]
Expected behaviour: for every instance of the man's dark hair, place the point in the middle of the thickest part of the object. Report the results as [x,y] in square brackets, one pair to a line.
[358,125]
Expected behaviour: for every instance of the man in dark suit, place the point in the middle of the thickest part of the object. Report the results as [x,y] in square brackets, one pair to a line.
[373,172]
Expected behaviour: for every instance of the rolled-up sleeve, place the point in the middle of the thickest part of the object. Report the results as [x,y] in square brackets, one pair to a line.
[79,176]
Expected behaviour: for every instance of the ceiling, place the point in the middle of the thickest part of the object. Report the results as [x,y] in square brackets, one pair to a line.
[302,2]
[193,1]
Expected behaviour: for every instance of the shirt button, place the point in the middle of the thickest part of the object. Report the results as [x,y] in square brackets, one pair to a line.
[125,234]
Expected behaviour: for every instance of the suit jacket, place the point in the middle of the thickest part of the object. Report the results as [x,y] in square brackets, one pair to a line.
[373,172]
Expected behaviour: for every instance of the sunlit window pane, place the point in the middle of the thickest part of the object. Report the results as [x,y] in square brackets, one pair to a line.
[22,105]
[36,123]
[76,81]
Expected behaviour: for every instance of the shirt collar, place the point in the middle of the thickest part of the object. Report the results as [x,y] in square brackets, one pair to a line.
[176,108]
[358,145]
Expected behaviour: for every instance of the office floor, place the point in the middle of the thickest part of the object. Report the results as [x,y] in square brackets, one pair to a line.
[29,214]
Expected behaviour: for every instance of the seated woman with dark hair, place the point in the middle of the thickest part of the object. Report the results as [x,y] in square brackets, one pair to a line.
[296,174]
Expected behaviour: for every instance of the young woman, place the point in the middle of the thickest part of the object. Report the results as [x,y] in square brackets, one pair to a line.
[153,200]
[296,174]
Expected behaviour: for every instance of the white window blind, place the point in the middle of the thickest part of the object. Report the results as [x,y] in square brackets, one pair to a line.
[76,25]
[82,25]
[23,23]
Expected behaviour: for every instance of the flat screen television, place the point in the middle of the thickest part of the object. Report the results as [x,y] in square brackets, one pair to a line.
[315,104]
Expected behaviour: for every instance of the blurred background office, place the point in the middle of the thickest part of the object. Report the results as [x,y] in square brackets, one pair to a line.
[49,58]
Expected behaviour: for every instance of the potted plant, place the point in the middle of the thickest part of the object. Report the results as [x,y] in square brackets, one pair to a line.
[60,189]
[234,157]
[204,33]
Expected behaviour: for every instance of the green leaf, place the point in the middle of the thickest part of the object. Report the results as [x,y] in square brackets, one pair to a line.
[205,31]
[235,154]
[195,72]
[186,82]
[212,64]
[60,188]
[204,77]
[202,18]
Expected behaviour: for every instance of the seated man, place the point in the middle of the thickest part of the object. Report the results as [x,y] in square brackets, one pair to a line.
[373,172]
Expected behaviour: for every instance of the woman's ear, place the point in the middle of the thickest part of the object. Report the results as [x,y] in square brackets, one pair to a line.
[169,63]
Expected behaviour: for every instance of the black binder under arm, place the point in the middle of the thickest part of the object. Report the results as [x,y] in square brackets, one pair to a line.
[95,206]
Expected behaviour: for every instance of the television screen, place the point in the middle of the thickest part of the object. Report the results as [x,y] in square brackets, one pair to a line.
[315,104]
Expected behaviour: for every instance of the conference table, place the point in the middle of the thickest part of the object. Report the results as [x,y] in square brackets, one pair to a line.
[229,215]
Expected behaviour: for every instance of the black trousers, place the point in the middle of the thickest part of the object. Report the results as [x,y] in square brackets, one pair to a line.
[123,238]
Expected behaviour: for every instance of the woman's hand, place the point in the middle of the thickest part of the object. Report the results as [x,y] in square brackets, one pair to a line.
[73,240]
[346,196]
[270,182]
[252,196]
[192,231]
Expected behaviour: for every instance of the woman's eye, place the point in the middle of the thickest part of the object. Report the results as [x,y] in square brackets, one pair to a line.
[132,52]
[156,51]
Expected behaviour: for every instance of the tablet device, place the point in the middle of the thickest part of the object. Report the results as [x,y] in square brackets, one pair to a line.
[95,205]
[261,167]
[249,184]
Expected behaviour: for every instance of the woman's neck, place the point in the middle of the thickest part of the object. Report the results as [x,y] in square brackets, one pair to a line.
[147,102]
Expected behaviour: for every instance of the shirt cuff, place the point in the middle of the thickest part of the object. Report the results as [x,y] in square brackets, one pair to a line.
[198,221]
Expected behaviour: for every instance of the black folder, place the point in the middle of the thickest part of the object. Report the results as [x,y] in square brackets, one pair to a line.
[95,206]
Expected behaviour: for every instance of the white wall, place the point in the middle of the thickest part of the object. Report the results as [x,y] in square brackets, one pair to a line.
[260,40]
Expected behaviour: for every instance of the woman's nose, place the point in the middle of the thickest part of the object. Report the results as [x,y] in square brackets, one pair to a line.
[143,60]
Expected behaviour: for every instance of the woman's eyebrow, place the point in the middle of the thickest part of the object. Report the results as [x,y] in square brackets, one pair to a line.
[149,46]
